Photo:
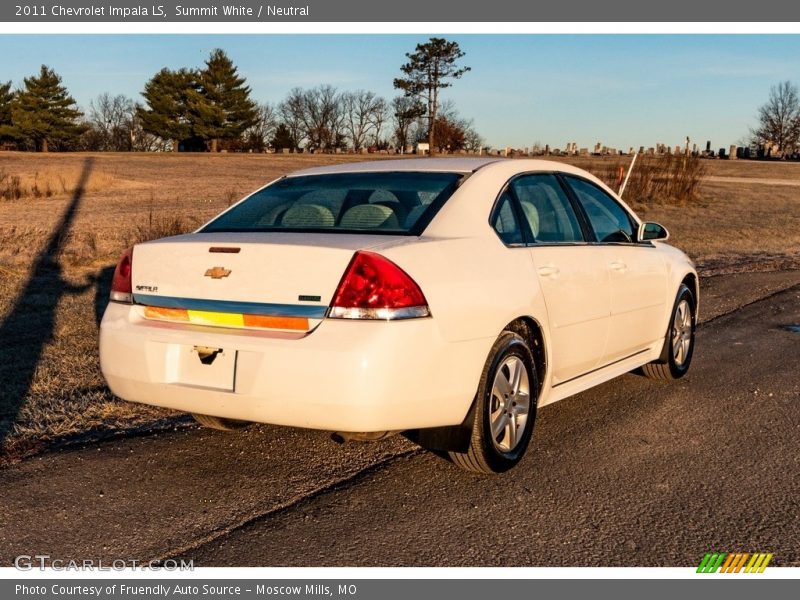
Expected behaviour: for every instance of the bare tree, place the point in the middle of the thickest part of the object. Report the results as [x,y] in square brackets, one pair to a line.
[358,107]
[473,141]
[113,123]
[419,130]
[406,112]
[448,110]
[779,118]
[291,112]
[364,116]
[378,117]
[322,117]
[258,136]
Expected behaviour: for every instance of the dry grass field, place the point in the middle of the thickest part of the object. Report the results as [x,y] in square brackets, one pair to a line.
[75,213]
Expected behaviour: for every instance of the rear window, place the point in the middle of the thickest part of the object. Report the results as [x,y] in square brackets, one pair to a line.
[389,203]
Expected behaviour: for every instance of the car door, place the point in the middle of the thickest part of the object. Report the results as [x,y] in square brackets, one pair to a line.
[572,275]
[637,272]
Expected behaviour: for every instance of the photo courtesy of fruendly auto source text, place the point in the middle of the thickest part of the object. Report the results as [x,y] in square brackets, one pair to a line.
[377,301]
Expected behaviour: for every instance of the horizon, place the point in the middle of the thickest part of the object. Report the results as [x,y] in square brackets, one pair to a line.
[707,87]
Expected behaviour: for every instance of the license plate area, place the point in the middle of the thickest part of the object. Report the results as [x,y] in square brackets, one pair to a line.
[202,366]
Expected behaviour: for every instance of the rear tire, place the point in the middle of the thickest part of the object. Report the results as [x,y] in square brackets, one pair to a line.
[679,341]
[220,423]
[505,409]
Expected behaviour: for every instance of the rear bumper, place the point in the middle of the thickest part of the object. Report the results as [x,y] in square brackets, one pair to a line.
[344,376]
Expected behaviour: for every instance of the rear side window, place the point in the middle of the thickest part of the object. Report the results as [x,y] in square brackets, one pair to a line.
[389,203]
[610,222]
[547,209]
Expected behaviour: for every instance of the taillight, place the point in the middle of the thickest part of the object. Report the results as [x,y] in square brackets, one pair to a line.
[121,287]
[373,287]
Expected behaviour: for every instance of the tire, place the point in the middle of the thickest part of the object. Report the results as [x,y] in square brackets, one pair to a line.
[679,341]
[512,414]
[220,423]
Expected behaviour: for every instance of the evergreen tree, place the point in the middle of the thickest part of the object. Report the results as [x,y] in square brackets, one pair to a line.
[6,99]
[222,108]
[43,113]
[283,138]
[428,70]
[168,96]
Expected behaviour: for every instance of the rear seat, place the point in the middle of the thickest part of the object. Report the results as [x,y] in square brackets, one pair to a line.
[370,216]
[308,215]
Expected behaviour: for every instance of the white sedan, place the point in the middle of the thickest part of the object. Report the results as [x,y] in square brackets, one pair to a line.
[444,298]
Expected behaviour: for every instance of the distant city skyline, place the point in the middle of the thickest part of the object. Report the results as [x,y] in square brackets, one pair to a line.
[619,90]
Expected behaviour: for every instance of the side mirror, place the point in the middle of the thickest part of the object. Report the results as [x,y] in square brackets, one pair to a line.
[652,231]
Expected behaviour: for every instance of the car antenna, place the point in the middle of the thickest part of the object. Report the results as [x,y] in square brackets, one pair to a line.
[630,169]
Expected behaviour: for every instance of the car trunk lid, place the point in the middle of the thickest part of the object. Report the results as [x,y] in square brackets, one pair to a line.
[281,281]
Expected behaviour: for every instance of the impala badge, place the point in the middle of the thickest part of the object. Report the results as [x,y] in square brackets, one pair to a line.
[218,272]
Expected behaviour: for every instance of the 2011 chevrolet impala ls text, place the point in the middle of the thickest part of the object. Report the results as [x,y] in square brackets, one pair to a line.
[444,298]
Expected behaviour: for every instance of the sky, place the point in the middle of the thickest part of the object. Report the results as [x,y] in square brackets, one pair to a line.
[619,90]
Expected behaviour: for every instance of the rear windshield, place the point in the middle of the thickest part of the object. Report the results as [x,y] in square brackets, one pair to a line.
[390,203]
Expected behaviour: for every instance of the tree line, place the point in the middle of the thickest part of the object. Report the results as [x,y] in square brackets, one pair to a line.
[212,109]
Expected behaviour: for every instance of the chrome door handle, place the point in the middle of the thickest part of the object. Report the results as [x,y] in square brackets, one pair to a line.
[618,265]
[551,271]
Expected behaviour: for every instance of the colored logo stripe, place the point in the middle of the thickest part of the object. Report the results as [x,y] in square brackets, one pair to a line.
[758,563]
[711,562]
[734,562]
[218,319]
[742,559]
[766,562]
[726,565]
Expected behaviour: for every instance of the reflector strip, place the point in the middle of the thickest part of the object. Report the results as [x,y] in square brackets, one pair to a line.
[217,319]
[275,322]
[227,306]
[202,317]
[171,314]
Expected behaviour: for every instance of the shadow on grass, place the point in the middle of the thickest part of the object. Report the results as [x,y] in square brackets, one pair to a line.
[102,291]
[30,323]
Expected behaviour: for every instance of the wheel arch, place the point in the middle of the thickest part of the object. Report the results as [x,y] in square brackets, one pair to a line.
[532,332]
[457,437]
[691,281]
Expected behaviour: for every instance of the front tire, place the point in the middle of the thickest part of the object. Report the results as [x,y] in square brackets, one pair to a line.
[679,344]
[505,408]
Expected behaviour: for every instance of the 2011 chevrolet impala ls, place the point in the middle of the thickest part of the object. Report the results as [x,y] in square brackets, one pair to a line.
[443,298]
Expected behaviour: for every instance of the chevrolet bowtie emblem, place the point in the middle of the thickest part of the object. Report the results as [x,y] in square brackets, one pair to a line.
[218,272]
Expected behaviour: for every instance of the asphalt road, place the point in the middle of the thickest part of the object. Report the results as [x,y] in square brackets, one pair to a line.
[634,472]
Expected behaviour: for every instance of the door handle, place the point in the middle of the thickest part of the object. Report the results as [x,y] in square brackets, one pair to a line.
[550,271]
[618,265]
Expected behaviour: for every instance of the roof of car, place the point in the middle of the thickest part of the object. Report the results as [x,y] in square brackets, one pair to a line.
[439,165]
[451,165]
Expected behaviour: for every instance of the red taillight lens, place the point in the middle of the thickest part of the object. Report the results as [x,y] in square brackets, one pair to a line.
[121,287]
[373,287]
